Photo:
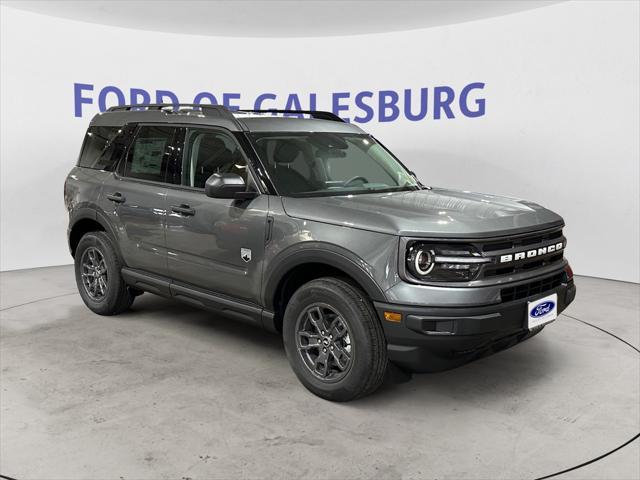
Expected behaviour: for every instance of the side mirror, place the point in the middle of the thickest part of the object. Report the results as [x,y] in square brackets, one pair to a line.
[227,185]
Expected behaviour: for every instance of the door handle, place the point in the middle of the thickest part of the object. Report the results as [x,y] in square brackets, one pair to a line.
[269,229]
[116,197]
[183,209]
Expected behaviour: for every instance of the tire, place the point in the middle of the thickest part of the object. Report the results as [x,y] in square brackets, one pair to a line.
[110,295]
[354,363]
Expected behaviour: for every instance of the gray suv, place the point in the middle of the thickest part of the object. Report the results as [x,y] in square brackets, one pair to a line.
[306,226]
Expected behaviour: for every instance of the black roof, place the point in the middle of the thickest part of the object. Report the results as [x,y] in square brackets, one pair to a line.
[216,115]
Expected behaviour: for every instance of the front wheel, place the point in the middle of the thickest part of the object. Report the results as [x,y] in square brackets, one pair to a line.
[97,268]
[334,341]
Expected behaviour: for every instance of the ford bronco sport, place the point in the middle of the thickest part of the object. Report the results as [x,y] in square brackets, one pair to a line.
[305,225]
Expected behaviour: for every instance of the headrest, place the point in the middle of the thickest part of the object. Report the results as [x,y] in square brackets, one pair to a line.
[286,152]
[212,143]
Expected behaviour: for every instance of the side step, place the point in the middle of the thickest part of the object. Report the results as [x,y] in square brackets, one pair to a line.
[239,310]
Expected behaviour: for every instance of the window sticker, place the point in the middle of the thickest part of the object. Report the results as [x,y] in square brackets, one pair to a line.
[147,156]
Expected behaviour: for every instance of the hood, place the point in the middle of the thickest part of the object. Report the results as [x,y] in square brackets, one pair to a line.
[426,213]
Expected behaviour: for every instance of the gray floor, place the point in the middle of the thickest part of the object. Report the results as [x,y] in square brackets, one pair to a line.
[167,391]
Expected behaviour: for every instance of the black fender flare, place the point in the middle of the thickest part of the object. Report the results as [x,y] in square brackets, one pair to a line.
[91,212]
[317,252]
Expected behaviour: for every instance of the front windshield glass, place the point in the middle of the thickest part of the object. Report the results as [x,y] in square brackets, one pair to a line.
[314,164]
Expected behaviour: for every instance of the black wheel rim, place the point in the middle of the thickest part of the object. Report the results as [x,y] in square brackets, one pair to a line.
[323,339]
[94,274]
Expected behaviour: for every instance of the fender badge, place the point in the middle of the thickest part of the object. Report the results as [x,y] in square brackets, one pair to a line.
[245,254]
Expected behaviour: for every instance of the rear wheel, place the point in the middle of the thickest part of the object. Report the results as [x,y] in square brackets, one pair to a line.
[334,340]
[97,269]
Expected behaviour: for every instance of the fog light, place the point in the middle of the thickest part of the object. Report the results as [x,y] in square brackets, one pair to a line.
[393,317]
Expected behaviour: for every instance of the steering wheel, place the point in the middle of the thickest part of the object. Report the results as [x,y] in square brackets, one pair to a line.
[353,179]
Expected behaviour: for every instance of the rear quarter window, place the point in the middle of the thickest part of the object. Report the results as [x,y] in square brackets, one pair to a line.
[96,141]
[150,153]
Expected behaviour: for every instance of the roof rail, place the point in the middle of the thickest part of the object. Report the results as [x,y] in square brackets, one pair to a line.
[151,106]
[318,114]
[219,111]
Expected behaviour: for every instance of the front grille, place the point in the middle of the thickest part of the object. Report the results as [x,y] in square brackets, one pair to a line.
[520,243]
[524,266]
[532,288]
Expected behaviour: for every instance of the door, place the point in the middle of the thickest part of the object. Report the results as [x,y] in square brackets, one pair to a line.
[216,244]
[135,199]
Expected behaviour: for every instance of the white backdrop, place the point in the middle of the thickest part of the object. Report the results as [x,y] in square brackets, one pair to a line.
[561,124]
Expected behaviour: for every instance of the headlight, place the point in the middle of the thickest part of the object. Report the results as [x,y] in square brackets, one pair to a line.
[421,261]
[443,263]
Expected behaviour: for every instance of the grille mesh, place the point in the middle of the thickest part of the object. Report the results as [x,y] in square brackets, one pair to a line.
[532,288]
[525,241]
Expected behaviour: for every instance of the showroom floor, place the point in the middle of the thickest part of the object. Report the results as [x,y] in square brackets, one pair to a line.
[167,391]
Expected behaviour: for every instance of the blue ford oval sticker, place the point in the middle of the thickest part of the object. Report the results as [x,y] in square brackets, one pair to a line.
[542,309]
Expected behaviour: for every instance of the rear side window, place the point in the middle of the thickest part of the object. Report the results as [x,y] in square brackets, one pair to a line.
[96,141]
[150,153]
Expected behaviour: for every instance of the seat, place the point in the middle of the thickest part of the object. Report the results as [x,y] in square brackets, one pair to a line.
[212,156]
[288,179]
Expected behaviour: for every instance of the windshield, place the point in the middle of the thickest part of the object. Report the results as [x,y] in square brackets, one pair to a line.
[315,164]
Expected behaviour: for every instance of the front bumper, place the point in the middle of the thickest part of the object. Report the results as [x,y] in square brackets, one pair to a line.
[429,339]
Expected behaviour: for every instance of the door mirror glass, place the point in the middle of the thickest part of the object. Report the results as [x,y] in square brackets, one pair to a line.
[224,185]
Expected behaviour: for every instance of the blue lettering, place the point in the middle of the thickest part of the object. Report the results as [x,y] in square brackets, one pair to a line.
[79,100]
[228,97]
[257,105]
[293,103]
[337,107]
[212,100]
[423,105]
[357,107]
[464,105]
[440,104]
[136,93]
[102,97]
[367,109]
[388,100]
[162,94]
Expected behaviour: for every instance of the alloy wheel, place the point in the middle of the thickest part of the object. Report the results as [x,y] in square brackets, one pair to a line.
[323,340]
[94,274]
